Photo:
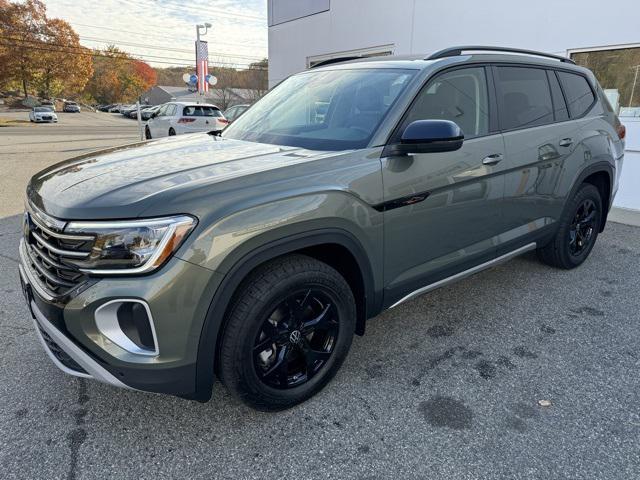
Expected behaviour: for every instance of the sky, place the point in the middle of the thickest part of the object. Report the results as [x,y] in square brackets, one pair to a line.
[163,32]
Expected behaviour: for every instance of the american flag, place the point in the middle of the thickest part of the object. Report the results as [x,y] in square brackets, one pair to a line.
[202,65]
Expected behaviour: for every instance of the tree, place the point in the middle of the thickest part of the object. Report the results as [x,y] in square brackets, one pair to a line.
[22,26]
[147,75]
[117,77]
[66,68]
[40,52]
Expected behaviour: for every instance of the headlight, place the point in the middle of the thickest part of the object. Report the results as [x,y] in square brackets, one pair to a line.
[131,247]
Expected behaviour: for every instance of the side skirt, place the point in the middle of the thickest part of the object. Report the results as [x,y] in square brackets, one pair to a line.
[466,273]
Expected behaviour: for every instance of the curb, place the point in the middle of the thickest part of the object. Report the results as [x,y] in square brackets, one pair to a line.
[627,216]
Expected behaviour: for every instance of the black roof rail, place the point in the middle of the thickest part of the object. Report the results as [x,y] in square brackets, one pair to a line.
[334,60]
[456,51]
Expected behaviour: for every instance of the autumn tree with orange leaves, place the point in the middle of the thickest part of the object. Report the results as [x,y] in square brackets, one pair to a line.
[41,54]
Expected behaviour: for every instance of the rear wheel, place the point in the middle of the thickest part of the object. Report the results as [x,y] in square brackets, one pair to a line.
[172,132]
[578,230]
[287,334]
[147,133]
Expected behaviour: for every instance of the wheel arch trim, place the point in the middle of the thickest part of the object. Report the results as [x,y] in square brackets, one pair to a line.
[212,326]
[599,167]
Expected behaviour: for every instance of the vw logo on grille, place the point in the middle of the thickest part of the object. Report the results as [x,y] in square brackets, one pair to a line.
[295,337]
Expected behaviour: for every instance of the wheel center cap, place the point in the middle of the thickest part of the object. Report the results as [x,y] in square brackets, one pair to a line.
[295,337]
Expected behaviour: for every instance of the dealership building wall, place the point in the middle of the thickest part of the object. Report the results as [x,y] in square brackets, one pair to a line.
[304,32]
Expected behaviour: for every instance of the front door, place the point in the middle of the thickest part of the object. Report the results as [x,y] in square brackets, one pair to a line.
[443,211]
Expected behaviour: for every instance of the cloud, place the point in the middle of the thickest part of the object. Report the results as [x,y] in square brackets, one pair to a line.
[162,32]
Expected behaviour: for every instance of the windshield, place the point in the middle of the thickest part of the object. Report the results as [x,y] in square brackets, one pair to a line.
[42,109]
[323,110]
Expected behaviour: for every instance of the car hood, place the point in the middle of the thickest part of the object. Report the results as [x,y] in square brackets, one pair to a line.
[123,182]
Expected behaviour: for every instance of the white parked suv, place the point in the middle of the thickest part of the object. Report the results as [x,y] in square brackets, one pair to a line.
[176,118]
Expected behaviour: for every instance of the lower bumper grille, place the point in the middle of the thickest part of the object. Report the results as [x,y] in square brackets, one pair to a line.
[60,354]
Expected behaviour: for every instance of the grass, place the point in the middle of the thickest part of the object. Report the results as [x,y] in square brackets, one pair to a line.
[7,122]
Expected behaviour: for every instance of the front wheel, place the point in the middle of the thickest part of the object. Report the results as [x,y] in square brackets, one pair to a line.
[147,133]
[287,334]
[577,232]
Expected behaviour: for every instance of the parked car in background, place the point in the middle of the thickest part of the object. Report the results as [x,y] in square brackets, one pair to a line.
[71,107]
[42,114]
[48,103]
[127,109]
[234,112]
[148,112]
[115,108]
[257,254]
[105,108]
[176,118]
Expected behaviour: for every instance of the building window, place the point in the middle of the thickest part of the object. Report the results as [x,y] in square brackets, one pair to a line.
[618,71]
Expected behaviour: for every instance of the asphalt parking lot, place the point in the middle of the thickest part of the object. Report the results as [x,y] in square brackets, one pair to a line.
[445,386]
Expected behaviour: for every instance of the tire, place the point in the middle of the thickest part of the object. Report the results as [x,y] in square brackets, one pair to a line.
[569,247]
[147,133]
[270,377]
[172,132]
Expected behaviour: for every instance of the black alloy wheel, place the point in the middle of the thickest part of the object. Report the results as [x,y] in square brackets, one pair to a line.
[583,226]
[287,332]
[577,230]
[296,339]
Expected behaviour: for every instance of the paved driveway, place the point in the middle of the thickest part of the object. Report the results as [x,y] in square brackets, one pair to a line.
[445,386]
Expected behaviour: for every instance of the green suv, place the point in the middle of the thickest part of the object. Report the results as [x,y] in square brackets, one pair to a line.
[255,254]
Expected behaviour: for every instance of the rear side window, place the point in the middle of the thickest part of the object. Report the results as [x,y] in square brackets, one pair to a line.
[559,106]
[578,93]
[525,97]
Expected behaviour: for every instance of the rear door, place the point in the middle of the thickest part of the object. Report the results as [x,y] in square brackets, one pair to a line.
[443,211]
[538,136]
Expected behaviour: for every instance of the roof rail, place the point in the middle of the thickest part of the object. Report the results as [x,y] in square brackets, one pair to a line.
[335,60]
[456,51]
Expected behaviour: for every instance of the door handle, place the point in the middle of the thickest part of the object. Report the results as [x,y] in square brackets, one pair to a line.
[493,159]
[566,142]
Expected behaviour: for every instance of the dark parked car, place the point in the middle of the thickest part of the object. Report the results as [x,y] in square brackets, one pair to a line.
[256,254]
[234,112]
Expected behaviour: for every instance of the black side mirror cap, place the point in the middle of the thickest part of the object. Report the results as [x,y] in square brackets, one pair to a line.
[427,136]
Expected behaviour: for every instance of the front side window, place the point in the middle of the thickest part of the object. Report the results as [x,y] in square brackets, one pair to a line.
[323,110]
[578,92]
[457,95]
[525,97]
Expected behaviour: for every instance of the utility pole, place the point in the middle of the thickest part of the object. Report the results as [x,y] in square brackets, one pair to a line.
[633,88]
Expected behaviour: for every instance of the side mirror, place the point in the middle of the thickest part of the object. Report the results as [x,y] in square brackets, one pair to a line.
[427,136]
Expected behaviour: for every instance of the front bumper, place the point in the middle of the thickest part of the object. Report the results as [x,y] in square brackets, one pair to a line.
[178,296]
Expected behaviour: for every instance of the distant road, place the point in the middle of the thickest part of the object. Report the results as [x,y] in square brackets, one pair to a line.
[26,149]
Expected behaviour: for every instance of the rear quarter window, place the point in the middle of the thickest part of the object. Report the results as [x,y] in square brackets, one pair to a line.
[578,93]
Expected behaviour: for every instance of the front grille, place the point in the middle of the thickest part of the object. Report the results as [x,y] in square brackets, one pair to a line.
[60,354]
[51,253]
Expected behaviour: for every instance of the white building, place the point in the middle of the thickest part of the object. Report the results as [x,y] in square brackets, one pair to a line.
[305,32]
